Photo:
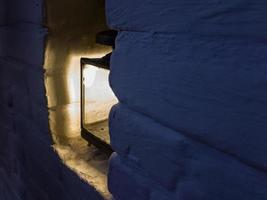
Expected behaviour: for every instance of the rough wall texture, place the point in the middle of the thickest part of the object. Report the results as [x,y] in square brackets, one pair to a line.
[29,168]
[73,36]
[191,78]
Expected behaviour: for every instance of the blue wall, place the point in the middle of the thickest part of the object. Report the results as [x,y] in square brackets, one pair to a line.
[191,78]
[29,167]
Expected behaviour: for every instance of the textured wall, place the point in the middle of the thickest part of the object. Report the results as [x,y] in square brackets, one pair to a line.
[72,26]
[3,22]
[191,80]
[29,168]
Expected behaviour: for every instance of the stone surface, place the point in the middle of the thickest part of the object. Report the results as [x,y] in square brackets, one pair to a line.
[185,167]
[26,44]
[30,11]
[3,34]
[239,18]
[125,183]
[88,162]
[210,89]
[191,79]
[158,151]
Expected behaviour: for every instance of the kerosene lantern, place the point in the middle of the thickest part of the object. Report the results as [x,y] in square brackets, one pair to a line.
[97,97]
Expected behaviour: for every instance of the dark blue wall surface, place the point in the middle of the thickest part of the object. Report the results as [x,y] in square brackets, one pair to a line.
[29,167]
[191,78]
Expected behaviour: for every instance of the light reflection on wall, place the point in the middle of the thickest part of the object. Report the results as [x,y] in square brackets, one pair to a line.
[65,117]
[71,36]
[72,26]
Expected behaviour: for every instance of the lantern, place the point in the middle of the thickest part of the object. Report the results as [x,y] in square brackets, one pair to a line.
[97,97]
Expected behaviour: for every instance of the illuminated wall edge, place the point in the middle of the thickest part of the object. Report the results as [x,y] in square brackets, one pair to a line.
[73,37]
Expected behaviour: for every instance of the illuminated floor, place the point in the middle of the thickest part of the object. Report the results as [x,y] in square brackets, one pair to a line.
[90,164]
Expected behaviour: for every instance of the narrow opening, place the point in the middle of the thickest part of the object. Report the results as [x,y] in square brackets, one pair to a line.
[72,27]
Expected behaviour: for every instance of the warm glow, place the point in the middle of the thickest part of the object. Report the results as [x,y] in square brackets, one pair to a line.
[98,100]
[72,36]
[97,84]
[90,75]
[73,76]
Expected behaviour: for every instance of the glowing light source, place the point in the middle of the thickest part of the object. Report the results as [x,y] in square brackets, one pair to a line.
[73,75]
[96,84]
[89,76]
[97,100]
